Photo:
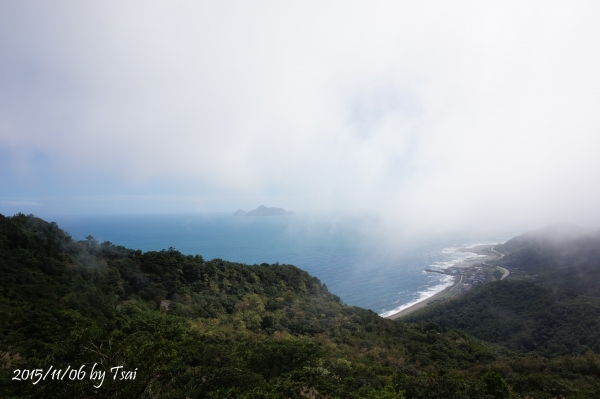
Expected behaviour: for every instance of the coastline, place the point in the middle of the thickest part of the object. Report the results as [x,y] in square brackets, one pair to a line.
[424,302]
[487,254]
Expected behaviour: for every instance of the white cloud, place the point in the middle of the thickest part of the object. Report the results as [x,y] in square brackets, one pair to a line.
[433,114]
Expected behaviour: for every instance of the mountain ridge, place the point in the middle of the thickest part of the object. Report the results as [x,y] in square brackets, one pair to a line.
[218,329]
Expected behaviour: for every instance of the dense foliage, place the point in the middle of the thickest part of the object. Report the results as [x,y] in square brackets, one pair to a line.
[563,256]
[523,316]
[214,329]
[551,308]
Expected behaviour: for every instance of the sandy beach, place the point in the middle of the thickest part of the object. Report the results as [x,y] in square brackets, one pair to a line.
[424,302]
[485,250]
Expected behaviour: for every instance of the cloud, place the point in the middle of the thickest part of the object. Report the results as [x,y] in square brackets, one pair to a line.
[432,116]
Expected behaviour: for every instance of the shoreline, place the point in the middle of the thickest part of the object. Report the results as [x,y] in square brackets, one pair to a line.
[424,302]
[486,250]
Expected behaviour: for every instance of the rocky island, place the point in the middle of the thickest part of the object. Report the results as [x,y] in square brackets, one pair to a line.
[264,211]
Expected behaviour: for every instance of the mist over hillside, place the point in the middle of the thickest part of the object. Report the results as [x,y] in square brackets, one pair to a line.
[217,329]
[386,127]
[550,302]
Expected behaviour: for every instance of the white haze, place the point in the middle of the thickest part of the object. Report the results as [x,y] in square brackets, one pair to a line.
[434,116]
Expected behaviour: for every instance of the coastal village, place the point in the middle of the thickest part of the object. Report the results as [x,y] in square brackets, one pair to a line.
[467,274]
[472,272]
[467,277]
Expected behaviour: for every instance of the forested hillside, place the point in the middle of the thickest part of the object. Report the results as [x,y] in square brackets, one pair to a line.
[563,256]
[186,327]
[523,316]
[550,307]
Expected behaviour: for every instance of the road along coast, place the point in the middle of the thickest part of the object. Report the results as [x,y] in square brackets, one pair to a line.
[485,250]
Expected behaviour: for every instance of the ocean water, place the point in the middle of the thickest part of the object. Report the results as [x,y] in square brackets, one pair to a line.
[343,252]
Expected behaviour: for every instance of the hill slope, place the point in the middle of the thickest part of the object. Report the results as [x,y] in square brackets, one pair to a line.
[193,328]
[563,256]
[558,314]
[523,316]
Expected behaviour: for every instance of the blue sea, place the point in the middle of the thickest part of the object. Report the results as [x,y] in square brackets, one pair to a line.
[345,253]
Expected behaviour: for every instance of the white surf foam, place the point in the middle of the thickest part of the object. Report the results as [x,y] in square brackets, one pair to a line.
[446,281]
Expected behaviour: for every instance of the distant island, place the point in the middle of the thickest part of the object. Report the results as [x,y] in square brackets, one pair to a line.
[264,211]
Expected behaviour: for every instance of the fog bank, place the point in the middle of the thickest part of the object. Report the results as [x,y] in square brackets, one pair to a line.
[428,117]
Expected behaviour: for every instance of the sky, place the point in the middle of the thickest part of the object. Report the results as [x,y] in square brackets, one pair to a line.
[431,116]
